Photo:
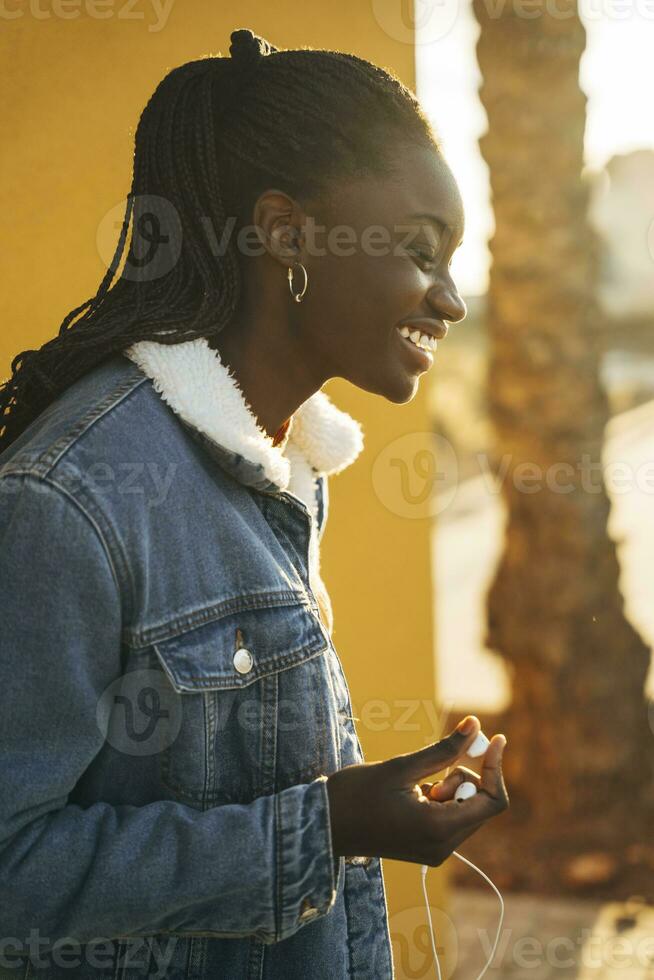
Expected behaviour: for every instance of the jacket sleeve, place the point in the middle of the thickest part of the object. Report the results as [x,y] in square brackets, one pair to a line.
[262,869]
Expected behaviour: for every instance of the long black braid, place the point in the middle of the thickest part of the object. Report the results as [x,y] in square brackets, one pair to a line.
[215,133]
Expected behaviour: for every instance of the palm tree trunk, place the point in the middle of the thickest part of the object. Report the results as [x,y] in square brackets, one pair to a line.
[579,755]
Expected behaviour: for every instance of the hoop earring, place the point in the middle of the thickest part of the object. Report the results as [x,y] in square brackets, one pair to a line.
[297,296]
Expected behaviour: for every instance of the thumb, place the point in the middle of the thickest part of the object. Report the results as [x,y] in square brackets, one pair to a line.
[413,767]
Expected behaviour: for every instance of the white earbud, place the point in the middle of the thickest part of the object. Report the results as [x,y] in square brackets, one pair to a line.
[465,791]
[478,747]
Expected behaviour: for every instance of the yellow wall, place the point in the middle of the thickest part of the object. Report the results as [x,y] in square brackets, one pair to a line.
[74,88]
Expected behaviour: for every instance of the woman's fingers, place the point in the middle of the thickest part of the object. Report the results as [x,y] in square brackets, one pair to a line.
[491,797]
[492,780]
[445,789]
[405,770]
[466,816]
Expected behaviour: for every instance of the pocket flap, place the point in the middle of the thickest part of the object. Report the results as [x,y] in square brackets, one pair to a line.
[237,649]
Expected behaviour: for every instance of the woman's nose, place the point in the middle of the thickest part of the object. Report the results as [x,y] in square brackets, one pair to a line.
[447,302]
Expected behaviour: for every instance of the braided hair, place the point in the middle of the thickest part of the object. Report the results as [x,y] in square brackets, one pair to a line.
[215,133]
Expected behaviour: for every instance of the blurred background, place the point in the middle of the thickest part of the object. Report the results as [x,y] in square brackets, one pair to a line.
[504,518]
[544,401]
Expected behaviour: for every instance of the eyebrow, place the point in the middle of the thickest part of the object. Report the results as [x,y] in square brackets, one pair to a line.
[436,220]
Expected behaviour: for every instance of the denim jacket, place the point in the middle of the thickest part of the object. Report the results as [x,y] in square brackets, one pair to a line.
[171,701]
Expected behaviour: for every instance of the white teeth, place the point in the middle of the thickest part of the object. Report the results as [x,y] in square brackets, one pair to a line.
[420,340]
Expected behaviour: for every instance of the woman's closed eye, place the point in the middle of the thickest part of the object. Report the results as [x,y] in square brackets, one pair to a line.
[427,256]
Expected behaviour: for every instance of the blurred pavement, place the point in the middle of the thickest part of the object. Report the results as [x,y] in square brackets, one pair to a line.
[552,939]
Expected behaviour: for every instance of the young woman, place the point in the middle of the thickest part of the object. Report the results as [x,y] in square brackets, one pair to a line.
[184,793]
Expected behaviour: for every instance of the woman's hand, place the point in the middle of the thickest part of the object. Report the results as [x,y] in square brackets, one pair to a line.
[382,809]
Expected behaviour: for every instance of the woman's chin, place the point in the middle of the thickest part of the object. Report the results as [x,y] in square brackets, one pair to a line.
[398,389]
[405,393]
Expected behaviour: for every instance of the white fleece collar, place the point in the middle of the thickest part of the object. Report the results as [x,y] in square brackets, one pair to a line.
[194,382]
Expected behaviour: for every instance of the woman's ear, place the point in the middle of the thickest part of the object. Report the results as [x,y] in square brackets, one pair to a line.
[278,223]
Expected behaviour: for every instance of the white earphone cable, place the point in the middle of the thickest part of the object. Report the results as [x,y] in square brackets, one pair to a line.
[423,876]
[423,872]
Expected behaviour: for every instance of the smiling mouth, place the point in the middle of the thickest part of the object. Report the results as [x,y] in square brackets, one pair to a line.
[424,341]
[423,355]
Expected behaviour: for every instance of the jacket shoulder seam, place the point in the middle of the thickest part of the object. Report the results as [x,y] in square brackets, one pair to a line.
[47,460]
[83,511]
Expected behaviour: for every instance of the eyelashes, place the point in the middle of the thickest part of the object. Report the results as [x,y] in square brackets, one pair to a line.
[428,258]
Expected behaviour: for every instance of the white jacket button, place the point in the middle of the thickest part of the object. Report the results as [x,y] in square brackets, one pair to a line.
[243,660]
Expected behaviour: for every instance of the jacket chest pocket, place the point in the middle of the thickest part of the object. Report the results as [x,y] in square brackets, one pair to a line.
[256,706]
